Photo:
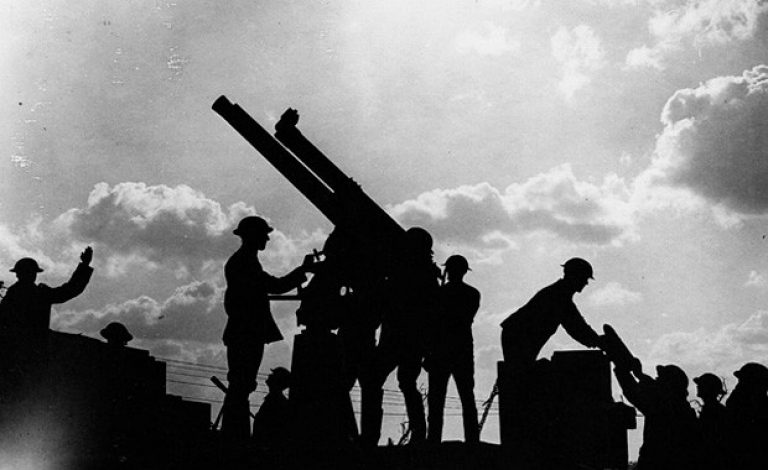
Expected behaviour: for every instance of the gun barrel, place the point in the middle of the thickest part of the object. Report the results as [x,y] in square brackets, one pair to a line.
[342,186]
[283,161]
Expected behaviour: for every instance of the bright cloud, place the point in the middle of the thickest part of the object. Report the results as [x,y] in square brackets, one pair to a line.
[756,279]
[174,226]
[614,294]
[722,351]
[554,202]
[698,23]
[194,312]
[492,42]
[715,142]
[580,54]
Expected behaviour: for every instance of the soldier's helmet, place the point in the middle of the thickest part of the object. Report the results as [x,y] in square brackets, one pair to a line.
[753,373]
[279,378]
[673,376]
[26,265]
[252,225]
[116,333]
[578,267]
[419,239]
[710,383]
[457,263]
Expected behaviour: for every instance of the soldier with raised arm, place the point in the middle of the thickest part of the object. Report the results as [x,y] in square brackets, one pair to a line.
[25,317]
[26,307]
[250,325]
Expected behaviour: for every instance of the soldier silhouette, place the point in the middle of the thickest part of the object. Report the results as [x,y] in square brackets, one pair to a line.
[451,351]
[25,317]
[525,332]
[714,452]
[670,429]
[26,307]
[748,409]
[250,325]
[272,422]
[413,297]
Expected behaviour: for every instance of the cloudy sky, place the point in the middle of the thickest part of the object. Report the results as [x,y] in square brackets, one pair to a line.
[633,133]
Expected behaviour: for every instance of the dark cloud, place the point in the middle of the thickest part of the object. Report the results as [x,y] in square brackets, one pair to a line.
[555,202]
[715,141]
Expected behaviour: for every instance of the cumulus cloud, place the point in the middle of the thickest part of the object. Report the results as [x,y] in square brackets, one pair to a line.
[699,24]
[715,142]
[580,54]
[554,202]
[493,41]
[194,312]
[188,325]
[721,351]
[614,294]
[161,223]
[756,279]
[177,227]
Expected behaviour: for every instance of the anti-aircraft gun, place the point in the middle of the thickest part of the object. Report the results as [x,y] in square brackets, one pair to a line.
[362,254]
[363,230]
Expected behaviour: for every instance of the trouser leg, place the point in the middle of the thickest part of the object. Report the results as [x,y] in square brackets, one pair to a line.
[464,375]
[243,363]
[372,396]
[407,374]
[438,386]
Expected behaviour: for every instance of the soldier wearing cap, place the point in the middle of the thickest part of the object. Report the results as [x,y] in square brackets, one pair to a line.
[250,325]
[451,351]
[670,430]
[748,408]
[26,308]
[713,423]
[402,343]
[525,331]
[273,420]
[25,317]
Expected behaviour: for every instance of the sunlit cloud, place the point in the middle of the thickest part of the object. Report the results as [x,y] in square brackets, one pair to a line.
[613,294]
[554,202]
[696,24]
[715,144]
[580,54]
[756,279]
[722,351]
[492,41]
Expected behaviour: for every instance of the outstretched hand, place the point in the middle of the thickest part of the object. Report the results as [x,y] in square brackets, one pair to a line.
[86,256]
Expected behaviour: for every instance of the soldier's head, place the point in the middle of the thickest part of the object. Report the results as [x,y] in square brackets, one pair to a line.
[26,270]
[254,230]
[577,272]
[753,375]
[419,241]
[456,266]
[279,379]
[672,380]
[709,387]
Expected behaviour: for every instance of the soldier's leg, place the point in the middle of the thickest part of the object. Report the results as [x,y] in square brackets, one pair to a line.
[372,394]
[438,387]
[464,375]
[243,361]
[408,371]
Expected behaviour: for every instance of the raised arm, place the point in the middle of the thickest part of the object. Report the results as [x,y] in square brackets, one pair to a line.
[77,283]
